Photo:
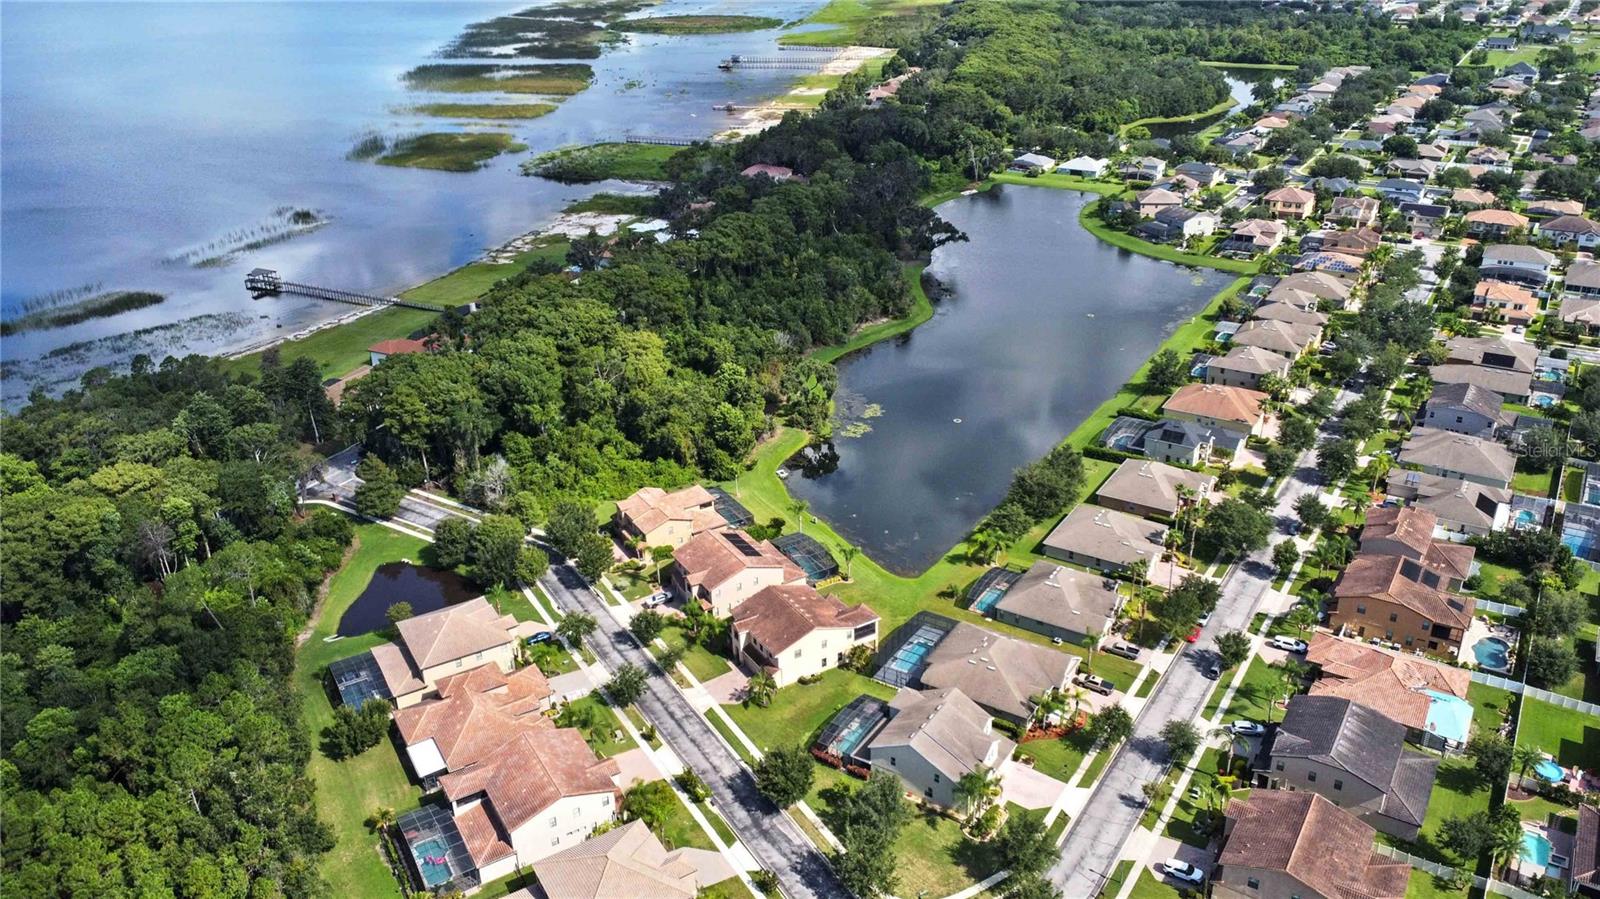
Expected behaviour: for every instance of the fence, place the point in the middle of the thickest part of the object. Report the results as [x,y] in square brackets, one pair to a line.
[1487,884]
[1506,683]
[1500,608]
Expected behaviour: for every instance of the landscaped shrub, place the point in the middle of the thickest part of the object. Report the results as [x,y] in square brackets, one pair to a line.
[354,731]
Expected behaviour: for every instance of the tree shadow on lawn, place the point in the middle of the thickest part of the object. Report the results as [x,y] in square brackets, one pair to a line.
[1583,753]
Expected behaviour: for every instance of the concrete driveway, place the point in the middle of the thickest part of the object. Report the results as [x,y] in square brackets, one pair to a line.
[728,688]
[1027,787]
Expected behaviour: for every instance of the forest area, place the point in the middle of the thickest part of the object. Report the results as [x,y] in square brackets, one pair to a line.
[156,566]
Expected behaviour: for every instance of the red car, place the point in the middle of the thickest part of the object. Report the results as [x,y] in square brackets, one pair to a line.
[1194,636]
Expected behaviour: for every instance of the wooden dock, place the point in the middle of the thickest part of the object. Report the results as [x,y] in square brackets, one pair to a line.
[263,282]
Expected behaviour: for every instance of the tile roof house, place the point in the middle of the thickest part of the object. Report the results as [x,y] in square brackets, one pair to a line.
[933,739]
[1502,301]
[1244,366]
[1149,202]
[1488,156]
[775,172]
[1466,409]
[792,631]
[1291,202]
[1059,602]
[1230,408]
[1355,242]
[1583,278]
[1320,284]
[441,643]
[1342,265]
[1353,757]
[1282,844]
[1105,538]
[1145,168]
[1357,210]
[1458,455]
[1492,352]
[1517,262]
[1084,167]
[1152,488]
[1204,174]
[475,714]
[724,568]
[399,346]
[1583,876]
[1469,197]
[1549,208]
[1404,688]
[1513,385]
[627,861]
[1288,340]
[1424,219]
[1407,531]
[1386,597]
[1291,313]
[1583,311]
[655,517]
[1032,162]
[1253,236]
[1001,674]
[1570,229]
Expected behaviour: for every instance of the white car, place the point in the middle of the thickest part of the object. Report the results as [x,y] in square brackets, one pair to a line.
[1247,728]
[658,598]
[1182,871]
[1288,644]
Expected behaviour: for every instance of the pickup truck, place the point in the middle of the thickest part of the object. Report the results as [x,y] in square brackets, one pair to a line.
[1096,684]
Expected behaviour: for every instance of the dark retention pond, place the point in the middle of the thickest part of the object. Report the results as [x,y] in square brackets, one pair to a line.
[1041,324]
[426,589]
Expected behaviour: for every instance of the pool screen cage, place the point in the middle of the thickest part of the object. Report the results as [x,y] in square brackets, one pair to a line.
[1580,531]
[423,832]
[731,510]
[1001,578]
[358,679]
[901,658]
[847,733]
[812,557]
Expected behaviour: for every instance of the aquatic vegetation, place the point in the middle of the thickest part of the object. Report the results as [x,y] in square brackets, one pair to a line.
[556,79]
[565,31]
[854,429]
[449,151]
[103,305]
[369,146]
[697,24]
[873,410]
[283,223]
[615,204]
[598,162]
[58,297]
[482,111]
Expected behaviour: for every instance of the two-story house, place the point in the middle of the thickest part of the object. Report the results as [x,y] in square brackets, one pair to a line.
[1293,845]
[721,569]
[1291,203]
[653,517]
[1517,262]
[1466,409]
[792,631]
[438,644]
[933,738]
[1401,602]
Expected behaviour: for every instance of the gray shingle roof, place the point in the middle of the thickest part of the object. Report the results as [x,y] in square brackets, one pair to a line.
[1359,740]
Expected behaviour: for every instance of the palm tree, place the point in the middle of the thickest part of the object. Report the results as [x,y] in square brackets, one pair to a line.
[849,552]
[1076,695]
[381,819]
[761,688]
[1302,618]
[1505,840]
[986,545]
[1215,794]
[1227,733]
[976,790]
[799,507]
[1525,757]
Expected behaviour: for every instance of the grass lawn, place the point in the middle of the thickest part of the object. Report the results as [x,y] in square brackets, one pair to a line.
[1571,736]
[701,662]
[798,711]
[1426,886]
[1457,791]
[720,727]
[1252,700]
[349,791]
[1058,758]
[1150,887]
[1540,810]
[732,888]
[680,829]
[1533,483]
[1061,181]
[697,24]
[484,110]
[848,17]
[1572,485]
[598,162]
[1492,575]
[1489,705]
[1123,240]
[1218,109]
[606,735]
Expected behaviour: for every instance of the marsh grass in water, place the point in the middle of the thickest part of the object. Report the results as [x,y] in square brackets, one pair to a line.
[284,223]
[102,305]
[698,24]
[598,162]
[615,204]
[449,152]
[565,31]
[482,111]
[556,79]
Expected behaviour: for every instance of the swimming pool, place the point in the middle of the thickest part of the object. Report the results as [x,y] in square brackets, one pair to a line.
[908,657]
[433,861]
[1543,400]
[1492,652]
[990,596]
[1526,518]
[850,739]
[1547,769]
[1535,848]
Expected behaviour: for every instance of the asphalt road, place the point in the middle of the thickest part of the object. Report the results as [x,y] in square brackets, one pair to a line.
[775,840]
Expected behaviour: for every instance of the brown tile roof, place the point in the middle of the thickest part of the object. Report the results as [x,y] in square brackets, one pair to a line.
[1473,196]
[1504,218]
[1412,528]
[1392,684]
[1312,840]
[530,772]
[625,862]
[399,674]
[779,616]
[1384,578]
[454,632]
[1217,402]
[1277,336]
[710,558]
[1251,360]
[1291,195]
[1320,284]
[477,713]
[651,507]
[1586,847]
[398,347]
[482,837]
[1490,289]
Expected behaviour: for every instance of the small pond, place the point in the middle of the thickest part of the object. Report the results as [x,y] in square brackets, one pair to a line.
[427,589]
[1241,87]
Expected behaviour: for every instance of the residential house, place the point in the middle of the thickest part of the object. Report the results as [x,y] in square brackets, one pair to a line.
[1492,352]
[1424,219]
[1356,242]
[1182,185]
[1244,366]
[1145,168]
[1451,455]
[1229,408]
[1178,225]
[933,738]
[1514,386]
[1353,757]
[1432,152]
[1494,223]
[1500,42]
[1291,203]
[1552,208]
[1152,488]
[1570,229]
[1292,313]
[792,631]
[1583,311]
[653,517]
[1544,33]
[1287,340]
[1517,262]
[1384,597]
[399,346]
[889,87]
[1204,174]
[1339,265]
[1061,603]
[1359,211]
[473,716]
[1407,532]
[779,173]
[1583,877]
[1490,156]
[1582,278]
[1105,538]
[724,568]
[1416,169]
[1425,696]
[626,861]
[1400,190]
[1271,123]
[1084,167]
[1241,143]
[1188,442]
[1032,163]
[445,642]
[1466,409]
[1003,675]
[1471,198]
[1149,202]
[1291,845]
[1498,300]
[1335,291]
[1253,236]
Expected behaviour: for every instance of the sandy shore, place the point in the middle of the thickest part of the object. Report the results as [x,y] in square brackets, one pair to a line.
[760,118]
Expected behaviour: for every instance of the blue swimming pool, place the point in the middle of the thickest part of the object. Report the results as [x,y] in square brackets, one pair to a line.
[850,739]
[1547,769]
[1492,652]
[908,657]
[1526,518]
[433,861]
[986,602]
[1543,400]
[1535,848]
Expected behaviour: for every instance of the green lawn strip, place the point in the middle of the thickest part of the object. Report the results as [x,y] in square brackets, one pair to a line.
[722,728]
[847,18]
[1489,706]
[349,791]
[1572,485]
[1584,685]
[696,24]
[484,110]
[1571,736]
[1540,811]
[1457,791]
[1061,181]
[552,659]
[1119,876]
[1147,686]
[1218,109]
[680,830]
[732,888]
[798,711]
[724,832]
[701,662]
[1251,701]
[603,161]
[1126,241]
[473,280]
[1059,758]
[450,151]
[1533,483]
[514,603]
[636,718]
[1097,765]
[607,738]
[1423,885]
[1150,887]
[921,311]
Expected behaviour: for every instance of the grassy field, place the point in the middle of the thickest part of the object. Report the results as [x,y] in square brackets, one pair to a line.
[847,18]
[701,662]
[349,791]
[1058,758]
[1489,706]
[1253,700]
[484,110]
[557,79]
[1426,886]
[1126,241]
[599,162]
[1457,791]
[1267,66]
[798,711]
[450,151]
[697,24]
[1218,109]
[1571,736]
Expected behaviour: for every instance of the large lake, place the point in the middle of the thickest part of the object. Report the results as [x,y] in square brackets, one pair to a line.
[134,131]
[1043,322]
